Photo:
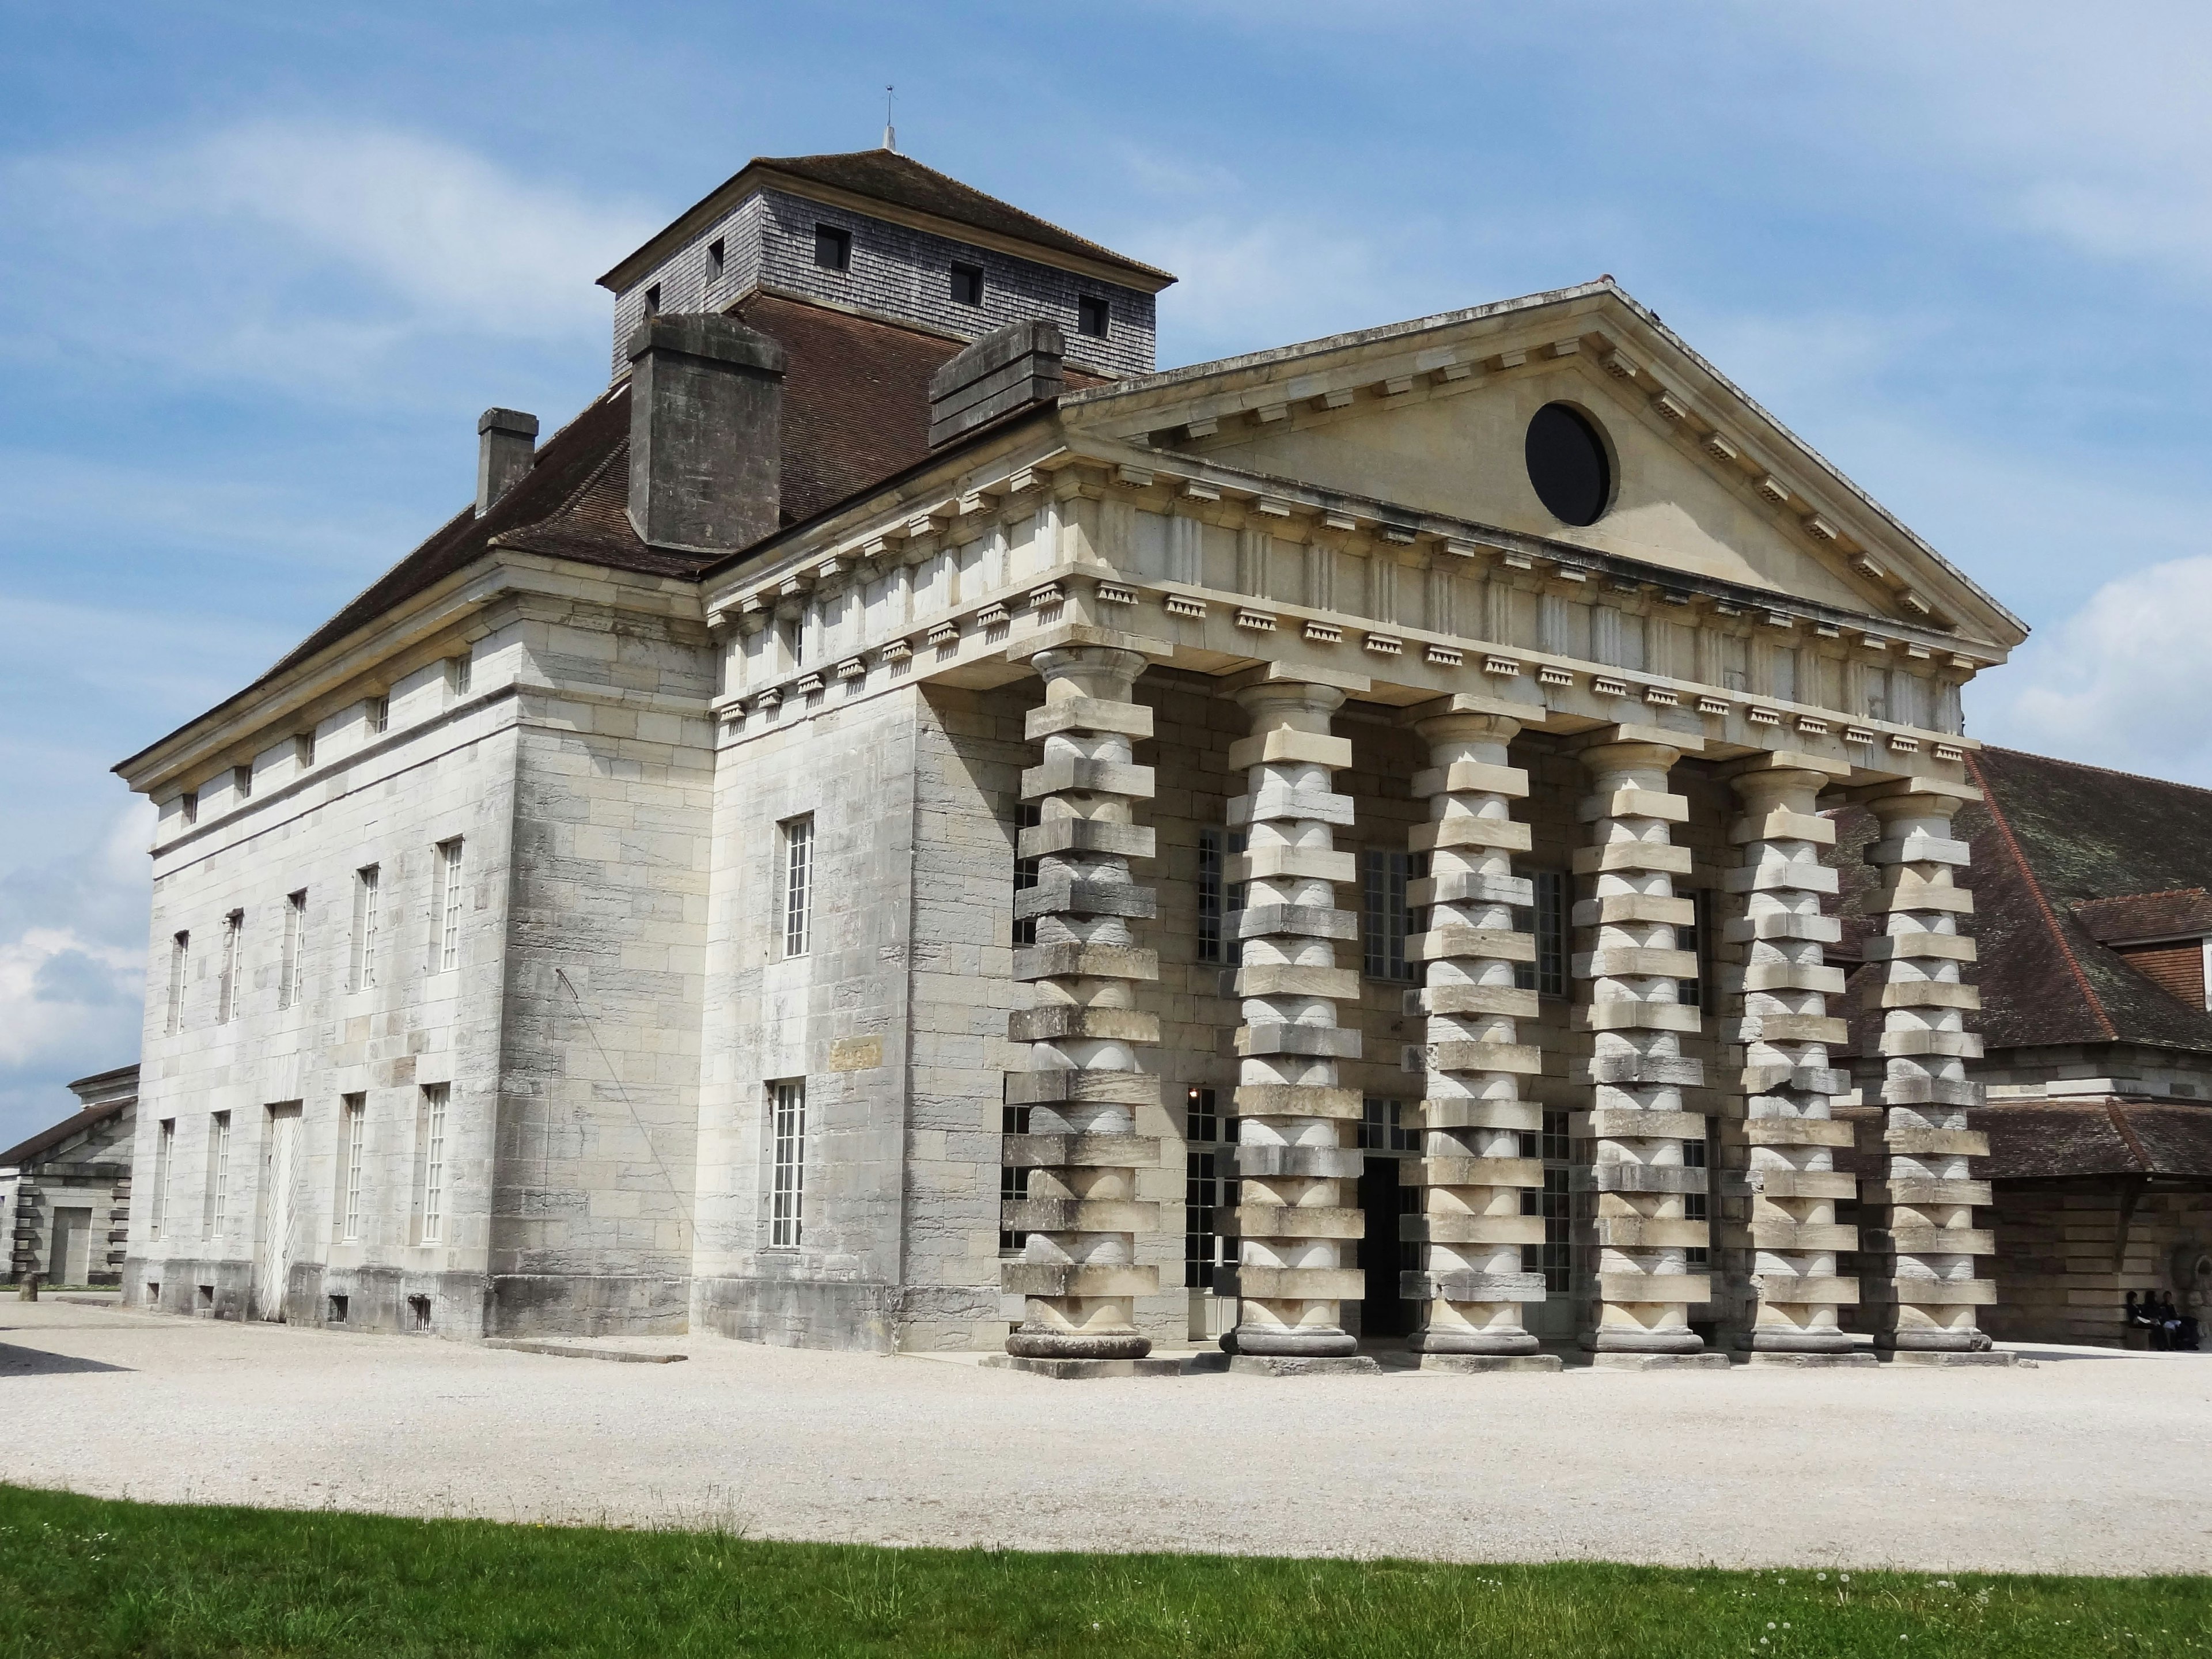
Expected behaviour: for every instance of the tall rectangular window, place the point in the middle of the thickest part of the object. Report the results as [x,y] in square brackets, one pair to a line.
[241,781]
[1385,918]
[1690,992]
[718,259]
[833,248]
[1219,899]
[432,1206]
[1547,974]
[1209,1188]
[165,1148]
[218,1170]
[377,712]
[353,1143]
[967,284]
[1013,1181]
[788,1177]
[303,749]
[181,963]
[233,930]
[449,904]
[189,804]
[797,885]
[293,969]
[458,674]
[365,884]
[1028,816]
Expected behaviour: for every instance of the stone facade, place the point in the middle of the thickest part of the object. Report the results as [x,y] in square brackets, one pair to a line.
[65,1193]
[1206,854]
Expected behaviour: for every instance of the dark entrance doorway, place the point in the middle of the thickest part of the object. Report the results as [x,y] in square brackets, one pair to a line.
[1382,1312]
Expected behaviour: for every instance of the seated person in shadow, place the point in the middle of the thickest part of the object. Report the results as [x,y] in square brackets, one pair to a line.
[2144,1316]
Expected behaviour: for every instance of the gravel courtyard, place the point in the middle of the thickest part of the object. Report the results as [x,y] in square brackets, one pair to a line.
[2080,1464]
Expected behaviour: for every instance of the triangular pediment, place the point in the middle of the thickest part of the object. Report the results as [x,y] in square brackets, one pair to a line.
[1434,415]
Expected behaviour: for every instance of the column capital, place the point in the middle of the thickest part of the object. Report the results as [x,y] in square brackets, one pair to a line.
[1957,791]
[1603,736]
[1064,636]
[1284,675]
[1523,715]
[1783,760]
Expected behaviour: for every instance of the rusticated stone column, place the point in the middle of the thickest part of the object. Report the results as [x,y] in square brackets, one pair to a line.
[1082,1085]
[1921,1230]
[1781,1258]
[1294,1155]
[1636,1069]
[1471,1226]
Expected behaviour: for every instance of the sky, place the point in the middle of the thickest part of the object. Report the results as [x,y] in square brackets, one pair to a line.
[262,266]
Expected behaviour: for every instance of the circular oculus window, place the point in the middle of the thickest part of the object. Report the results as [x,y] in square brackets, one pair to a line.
[1567,464]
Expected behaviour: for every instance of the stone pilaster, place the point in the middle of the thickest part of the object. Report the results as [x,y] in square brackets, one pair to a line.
[1780,1258]
[1297,1155]
[1470,1226]
[1082,1084]
[1920,1225]
[1637,1072]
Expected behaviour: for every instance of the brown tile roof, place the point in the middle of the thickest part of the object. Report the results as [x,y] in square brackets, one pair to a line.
[2046,1139]
[883,175]
[2179,912]
[2053,839]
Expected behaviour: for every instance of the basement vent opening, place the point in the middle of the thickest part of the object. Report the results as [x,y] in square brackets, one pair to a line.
[418,1309]
[207,1295]
[338,1310]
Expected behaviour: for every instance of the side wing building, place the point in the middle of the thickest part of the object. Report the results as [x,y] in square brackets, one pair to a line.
[902,825]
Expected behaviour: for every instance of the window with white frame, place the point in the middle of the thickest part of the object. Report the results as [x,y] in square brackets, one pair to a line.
[292,970]
[1219,899]
[798,907]
[1028,816]
[1210,1191]
[1547,974]
[241,782]
[366,882]
[181,963]
[431,1202]
[233,930]
[218,1170]
[353,1143]
[458,671]
[449,904]
[378,714]
[787,1175]
[165,1149]
[1013,1181]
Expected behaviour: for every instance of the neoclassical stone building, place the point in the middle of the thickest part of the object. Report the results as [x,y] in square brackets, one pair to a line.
[901,826]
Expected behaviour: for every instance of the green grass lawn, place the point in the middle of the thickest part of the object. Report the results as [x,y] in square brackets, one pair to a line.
[82,1577]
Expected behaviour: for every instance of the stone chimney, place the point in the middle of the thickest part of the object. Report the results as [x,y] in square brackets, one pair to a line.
[705,432]
[1009,368]
[506,443]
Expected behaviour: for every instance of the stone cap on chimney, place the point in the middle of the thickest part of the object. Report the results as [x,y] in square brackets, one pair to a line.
[507,420]
[701,334]
[1008,369]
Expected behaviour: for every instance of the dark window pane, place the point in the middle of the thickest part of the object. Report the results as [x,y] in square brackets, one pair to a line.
[833,248]
[1567,464]
[968,285]
[1092,317]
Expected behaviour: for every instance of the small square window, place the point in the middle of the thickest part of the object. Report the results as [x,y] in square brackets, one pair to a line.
[1093,317]
[718,256]
[833,248]
[966,285]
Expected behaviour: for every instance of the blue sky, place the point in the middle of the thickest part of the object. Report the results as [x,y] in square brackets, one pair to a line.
[261,267]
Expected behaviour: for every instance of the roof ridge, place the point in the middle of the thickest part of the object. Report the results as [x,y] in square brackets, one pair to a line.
[2124,898]
[2042,902]
[2106,771]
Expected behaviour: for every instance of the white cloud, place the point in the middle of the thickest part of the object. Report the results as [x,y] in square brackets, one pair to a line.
[72,971]
[2124,682]
[298,253]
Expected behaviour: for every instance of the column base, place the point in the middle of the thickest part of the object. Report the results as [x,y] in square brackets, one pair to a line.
[1287,1364]
[1071,1370]
[1330,1344]
[1932,1341]
[1612,1339]
[1807,1342]
[1470,1363]
[1472,1344]
[1615,1361]
[1946,1357]
[1067,1345]
[1771,1356]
